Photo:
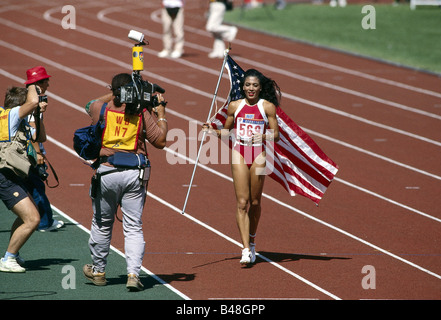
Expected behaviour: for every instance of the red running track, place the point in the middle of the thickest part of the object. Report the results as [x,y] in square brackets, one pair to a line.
[380,218]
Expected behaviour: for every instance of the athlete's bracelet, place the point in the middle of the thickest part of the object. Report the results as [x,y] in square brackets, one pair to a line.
[161,119]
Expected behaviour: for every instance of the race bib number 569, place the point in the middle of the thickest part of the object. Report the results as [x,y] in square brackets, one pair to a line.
[246,128]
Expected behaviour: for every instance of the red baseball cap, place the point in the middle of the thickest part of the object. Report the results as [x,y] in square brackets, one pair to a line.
[36,74]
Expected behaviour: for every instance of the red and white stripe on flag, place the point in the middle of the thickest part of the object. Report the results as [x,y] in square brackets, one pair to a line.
[299,163]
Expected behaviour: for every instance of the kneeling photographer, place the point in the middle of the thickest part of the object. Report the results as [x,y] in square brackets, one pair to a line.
[122,176]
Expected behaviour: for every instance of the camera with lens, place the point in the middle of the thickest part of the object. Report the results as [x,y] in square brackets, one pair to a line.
[139,95]
[41,171]
[42,99]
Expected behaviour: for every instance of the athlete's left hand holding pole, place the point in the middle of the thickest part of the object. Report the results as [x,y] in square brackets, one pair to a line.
[205,131]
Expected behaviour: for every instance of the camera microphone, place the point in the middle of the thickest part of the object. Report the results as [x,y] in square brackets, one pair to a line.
[136,36]
[157,88]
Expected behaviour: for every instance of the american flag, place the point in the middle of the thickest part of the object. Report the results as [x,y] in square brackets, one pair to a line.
[295,161]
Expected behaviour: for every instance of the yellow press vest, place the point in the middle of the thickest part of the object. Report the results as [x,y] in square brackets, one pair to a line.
[121,131]
[4,125]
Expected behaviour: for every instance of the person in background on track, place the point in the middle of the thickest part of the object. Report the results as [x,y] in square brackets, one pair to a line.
[254,121]
[18,104]
[220,32]
[121,184]
[172,16]
[280,4]
[37,175]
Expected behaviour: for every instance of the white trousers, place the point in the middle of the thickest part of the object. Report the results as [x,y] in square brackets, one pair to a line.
[214,25]
[170,26]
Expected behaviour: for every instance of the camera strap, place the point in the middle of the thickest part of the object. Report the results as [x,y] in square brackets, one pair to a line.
[36,115]
[53,171]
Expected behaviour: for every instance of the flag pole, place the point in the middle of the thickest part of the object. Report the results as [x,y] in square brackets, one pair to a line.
[205,132]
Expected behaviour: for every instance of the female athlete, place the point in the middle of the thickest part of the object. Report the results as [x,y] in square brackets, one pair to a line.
[252,121]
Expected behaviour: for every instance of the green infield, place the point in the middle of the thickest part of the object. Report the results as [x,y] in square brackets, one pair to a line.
[54,261]
[392,33]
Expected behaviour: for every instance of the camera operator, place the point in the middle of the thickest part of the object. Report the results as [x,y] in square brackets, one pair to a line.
[118,184]
[18,103]
[37,175]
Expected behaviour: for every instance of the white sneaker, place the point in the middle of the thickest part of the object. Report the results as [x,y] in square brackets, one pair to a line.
[176,54]
[57,224]
[10,265]
[252,253]
[246,256]
[163,54]
[214,55]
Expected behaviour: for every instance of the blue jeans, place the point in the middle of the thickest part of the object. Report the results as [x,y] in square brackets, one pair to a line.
[37,190]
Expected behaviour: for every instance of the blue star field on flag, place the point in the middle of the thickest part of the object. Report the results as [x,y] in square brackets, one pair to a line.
[236,74]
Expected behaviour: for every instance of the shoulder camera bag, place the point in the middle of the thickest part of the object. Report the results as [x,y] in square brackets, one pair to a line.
[87,141]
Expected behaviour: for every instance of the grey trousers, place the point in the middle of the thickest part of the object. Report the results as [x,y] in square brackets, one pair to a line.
[118,189]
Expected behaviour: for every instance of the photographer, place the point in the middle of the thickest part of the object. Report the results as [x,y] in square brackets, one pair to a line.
[37,175]
[121,183]
[18,104]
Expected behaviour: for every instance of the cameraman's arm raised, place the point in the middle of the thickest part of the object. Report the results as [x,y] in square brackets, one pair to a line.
[161,122]
[105,99]
[31,103]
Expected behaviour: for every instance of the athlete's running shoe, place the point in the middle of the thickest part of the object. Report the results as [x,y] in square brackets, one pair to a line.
[246,256]
[252,252]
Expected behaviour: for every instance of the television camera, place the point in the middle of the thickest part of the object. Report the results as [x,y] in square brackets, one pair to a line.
[139,94]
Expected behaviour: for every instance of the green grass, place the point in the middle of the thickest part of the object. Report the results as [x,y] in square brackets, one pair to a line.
[54,262]
[401,35]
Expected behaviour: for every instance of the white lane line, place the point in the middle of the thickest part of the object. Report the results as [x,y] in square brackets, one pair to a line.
[195,90]
[102,17]
[76,107]
[79,225]
[71,151]
[155,16]
[377,247]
